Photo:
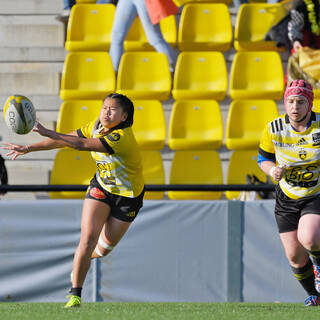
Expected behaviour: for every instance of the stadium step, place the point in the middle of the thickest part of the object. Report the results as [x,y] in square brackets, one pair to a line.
[31,172]
[41,102]
[31,31]
[24,7]
[32,54]
[25,171]
[30,78]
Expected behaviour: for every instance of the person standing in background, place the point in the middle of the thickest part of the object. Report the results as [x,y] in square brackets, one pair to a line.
[150,15]
[303,27]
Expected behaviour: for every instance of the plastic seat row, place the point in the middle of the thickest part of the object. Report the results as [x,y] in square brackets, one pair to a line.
[89,29]
[198,75]
[193,125]
[177,2]
[203,26]
[188,167]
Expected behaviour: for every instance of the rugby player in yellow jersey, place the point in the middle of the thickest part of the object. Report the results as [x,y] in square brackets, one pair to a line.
[289,152]
[115,194]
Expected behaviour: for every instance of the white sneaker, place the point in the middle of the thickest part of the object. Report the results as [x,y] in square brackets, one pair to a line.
[65,13]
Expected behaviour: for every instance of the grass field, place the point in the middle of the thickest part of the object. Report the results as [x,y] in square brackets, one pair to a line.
[161,311]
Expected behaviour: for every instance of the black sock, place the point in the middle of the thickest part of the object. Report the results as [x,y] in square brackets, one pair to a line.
[305,276]
[76,292]
[315,257]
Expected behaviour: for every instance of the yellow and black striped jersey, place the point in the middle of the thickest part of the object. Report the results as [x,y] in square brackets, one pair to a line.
[120,167]
[298,151]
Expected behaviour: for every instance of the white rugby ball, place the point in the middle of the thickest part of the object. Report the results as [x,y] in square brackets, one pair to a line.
[19,114]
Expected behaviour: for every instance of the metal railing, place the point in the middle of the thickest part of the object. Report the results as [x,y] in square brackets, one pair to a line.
[148,187]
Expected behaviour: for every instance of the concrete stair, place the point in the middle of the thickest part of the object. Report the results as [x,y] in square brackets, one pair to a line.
[31,31]
[31,7]
[32,54]
[30,78]
[41,102]
[31,59]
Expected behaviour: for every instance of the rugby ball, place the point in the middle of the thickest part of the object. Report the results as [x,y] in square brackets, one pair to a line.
[19,114]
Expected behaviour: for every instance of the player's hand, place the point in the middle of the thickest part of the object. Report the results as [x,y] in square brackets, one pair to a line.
[277,172]
[16,150]
[39,128]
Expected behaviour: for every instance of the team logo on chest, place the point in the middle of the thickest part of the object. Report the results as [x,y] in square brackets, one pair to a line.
[302,154]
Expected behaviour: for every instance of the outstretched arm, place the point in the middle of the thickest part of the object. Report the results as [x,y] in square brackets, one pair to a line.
[55,140]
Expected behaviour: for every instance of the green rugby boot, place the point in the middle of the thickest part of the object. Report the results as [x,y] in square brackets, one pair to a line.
[74,301]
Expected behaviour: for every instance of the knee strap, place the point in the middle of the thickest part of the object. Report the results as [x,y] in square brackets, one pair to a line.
[98,252]
[105,245]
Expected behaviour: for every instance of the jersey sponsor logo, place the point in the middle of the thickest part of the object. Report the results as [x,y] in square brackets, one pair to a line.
[316,139]
[302,176]
[113,137]
[302,184]
[276,125]
[283,145]
[97,194]
[301,142]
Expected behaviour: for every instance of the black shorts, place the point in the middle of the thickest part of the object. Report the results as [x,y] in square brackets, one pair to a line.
[288,211]
[122,208]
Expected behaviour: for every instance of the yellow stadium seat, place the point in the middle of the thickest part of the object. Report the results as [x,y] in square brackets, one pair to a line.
[153,173]
[316,105]
[149,125]
[205,26]
[144,75]
[200,75]
[89,27]
[73,114]
[253,22]
[195,125]
[256,75]
[87,75]
[316,93]
[136,39]
[196,167]
[241,163]
[72,167]
[246,121]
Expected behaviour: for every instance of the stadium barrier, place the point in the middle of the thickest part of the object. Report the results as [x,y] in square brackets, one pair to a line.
[191,250]
[150,187]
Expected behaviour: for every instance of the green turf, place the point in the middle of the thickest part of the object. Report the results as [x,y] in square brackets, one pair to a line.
[162,311]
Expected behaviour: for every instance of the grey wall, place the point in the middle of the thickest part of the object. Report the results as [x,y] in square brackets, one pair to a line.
[174,251]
